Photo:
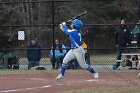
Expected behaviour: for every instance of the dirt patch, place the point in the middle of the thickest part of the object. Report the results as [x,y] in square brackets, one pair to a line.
[46,83]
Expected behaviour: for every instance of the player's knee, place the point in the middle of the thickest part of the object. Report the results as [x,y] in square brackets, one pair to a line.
[65,60]
[84,66]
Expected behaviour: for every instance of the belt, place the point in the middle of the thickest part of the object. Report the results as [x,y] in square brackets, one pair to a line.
[74,47]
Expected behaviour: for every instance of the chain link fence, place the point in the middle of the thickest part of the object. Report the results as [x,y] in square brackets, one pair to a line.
[40,19]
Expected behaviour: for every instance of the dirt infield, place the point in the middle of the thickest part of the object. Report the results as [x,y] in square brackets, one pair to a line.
[74,80]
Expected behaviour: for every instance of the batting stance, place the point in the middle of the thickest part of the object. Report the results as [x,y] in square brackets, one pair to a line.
[76,50]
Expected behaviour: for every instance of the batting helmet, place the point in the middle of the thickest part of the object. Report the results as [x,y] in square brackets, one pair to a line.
[77,24]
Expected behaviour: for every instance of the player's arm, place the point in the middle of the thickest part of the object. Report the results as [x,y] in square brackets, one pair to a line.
[61,28]
[116,38]
[64,27]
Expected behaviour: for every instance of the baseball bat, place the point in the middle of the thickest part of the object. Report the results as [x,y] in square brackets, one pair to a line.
[77,16]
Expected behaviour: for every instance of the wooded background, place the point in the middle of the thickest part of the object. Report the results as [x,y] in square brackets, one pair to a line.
[40,19]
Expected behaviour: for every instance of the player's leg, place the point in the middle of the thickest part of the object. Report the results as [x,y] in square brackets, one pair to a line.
[57,62]
[30,64]
[80,56]
[68,57]
[36,63]
[118,57]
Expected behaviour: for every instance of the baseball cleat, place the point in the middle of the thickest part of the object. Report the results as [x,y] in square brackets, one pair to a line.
[59,77]
[139,75]
[138,67]
[96,75]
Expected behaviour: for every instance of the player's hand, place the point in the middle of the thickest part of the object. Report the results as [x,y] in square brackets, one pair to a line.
[62,24]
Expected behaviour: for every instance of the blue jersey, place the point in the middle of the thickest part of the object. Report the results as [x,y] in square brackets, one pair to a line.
[74,36]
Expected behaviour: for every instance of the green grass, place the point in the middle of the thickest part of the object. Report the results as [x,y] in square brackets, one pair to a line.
[97,59]
[10,72]
[103,59]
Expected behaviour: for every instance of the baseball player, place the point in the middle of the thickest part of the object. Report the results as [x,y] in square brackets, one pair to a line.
[76,50]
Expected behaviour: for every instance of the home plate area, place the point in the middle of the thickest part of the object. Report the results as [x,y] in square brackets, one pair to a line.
[46,83]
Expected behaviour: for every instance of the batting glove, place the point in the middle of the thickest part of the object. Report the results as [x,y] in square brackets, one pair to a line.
[63,23]
[61,26]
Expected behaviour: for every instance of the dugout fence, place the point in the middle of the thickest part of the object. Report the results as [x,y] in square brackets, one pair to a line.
[40,19]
